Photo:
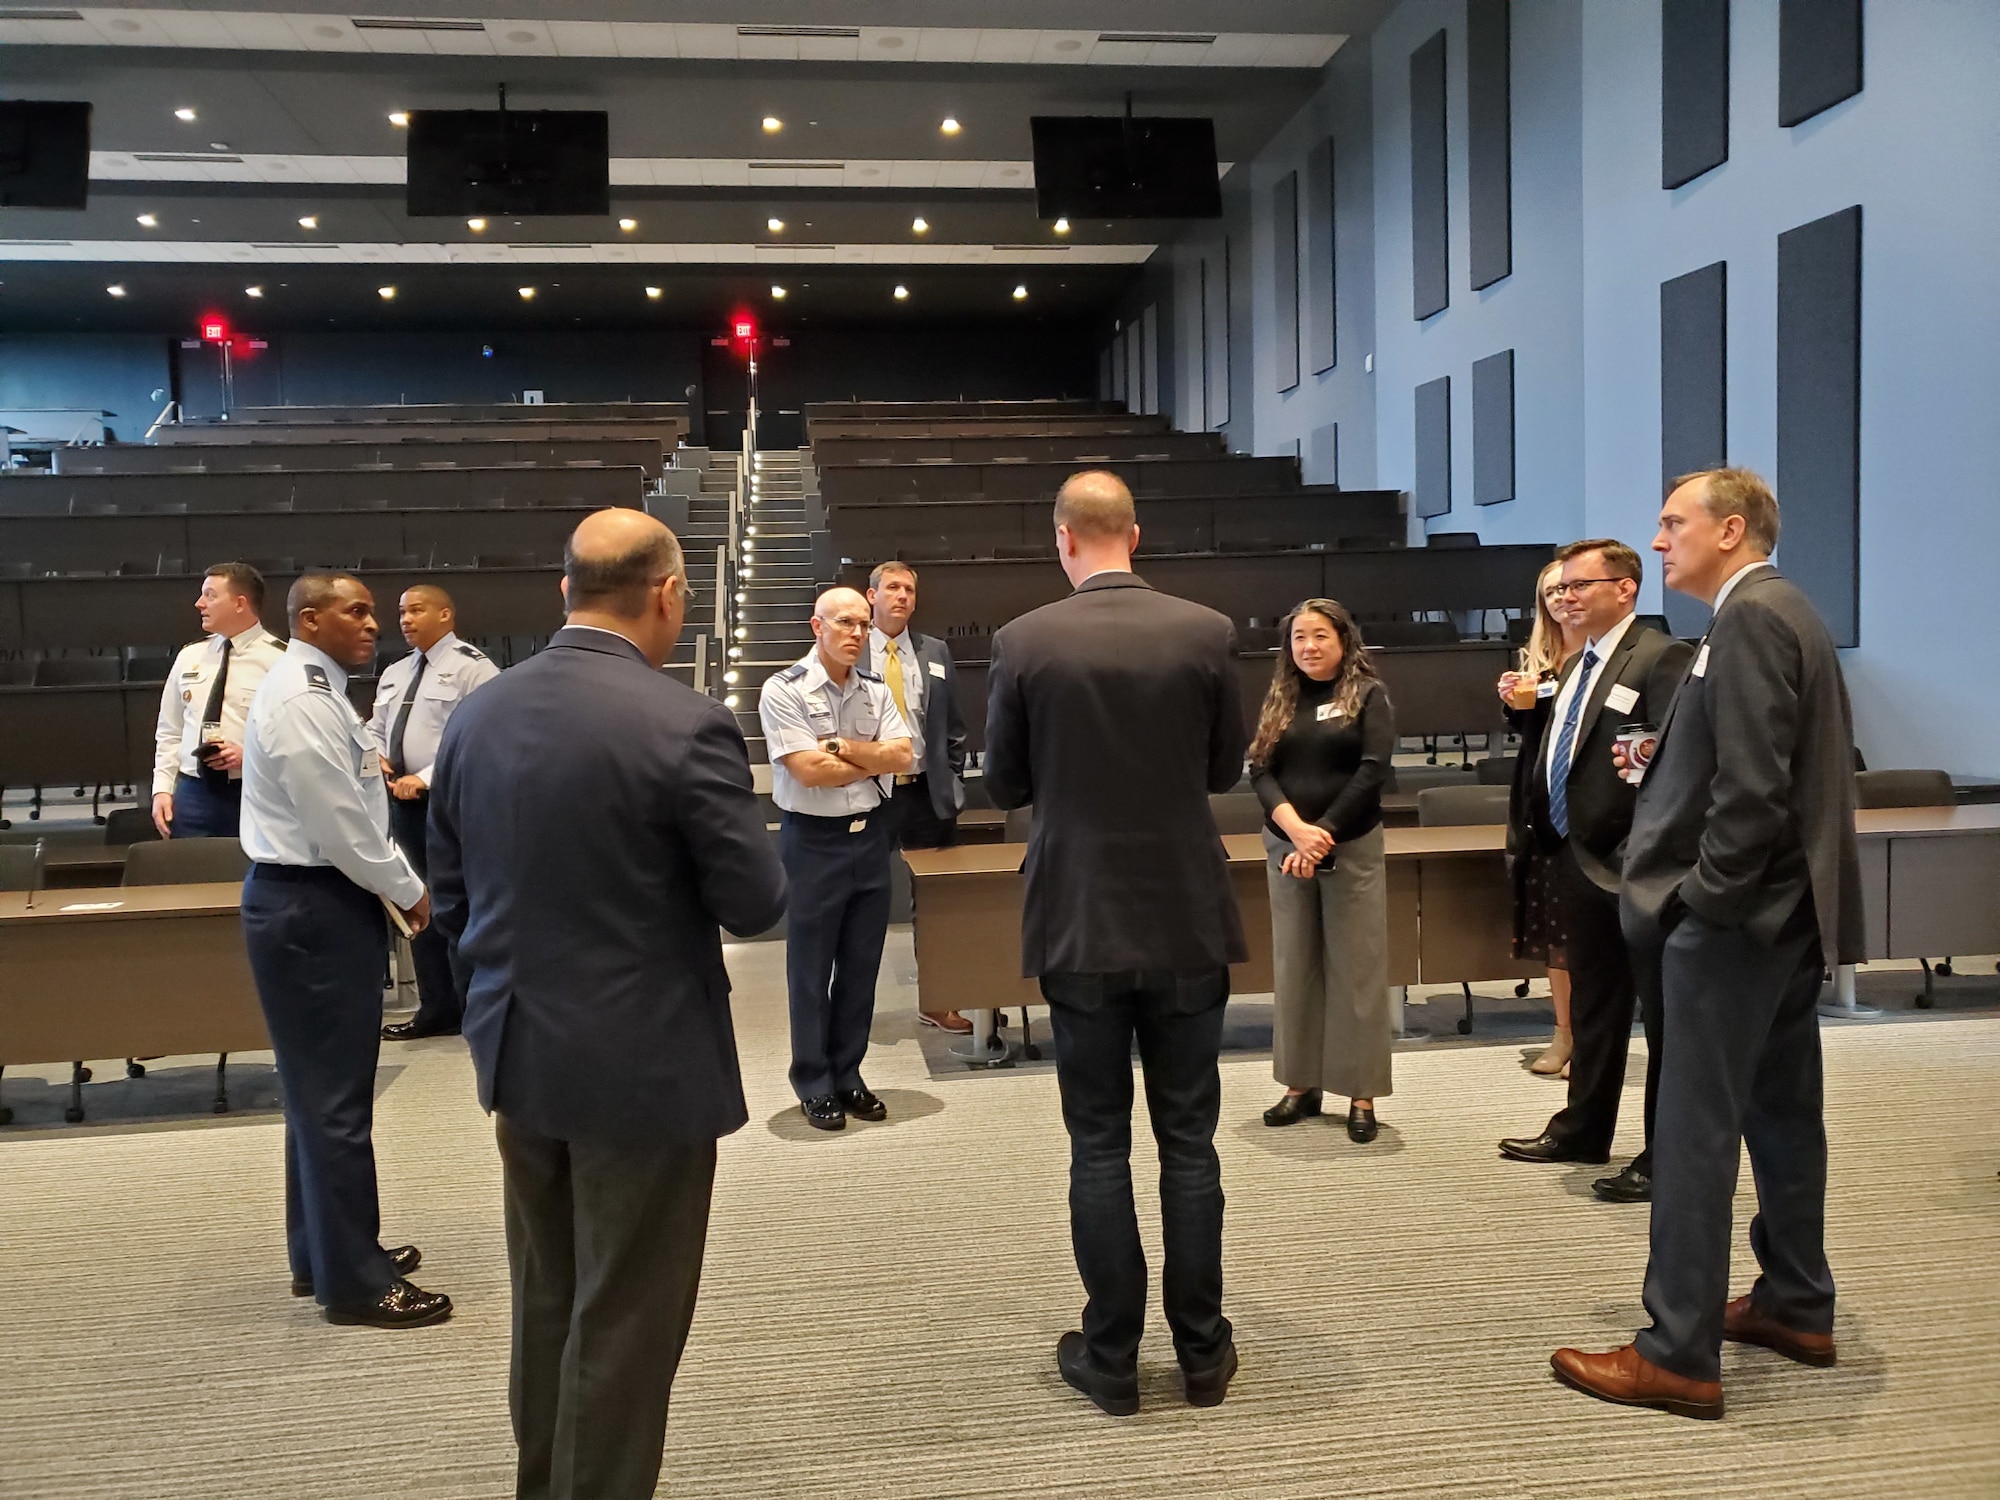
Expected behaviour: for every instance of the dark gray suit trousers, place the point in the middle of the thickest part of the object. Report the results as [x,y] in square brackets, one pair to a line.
[1740,1068]
[604,1246]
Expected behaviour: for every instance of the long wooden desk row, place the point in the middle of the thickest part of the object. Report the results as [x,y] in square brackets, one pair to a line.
[1068,448]
[437,538]
[667,434]
[45,614]
[880,529]
[321,489]
[964,597]
[644,454]
[1040,481]
[467,411]
[1065,406]
[1928,880]
[957,427]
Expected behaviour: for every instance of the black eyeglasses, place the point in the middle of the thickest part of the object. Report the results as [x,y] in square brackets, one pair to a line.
[1557,590]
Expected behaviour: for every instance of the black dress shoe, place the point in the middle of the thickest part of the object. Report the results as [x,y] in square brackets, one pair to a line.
[1114,1395]
[1629,1186]
[824,1112]
[1361,1125]
[1293,1108]
[402,1260]
[402,1306]
[1208,1387]
[1547,1148]
[862,1104]
[410,1031]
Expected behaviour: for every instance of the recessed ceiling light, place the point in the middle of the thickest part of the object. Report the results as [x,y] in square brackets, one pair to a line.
[477,226]
[628,225]
[1020,294]
[185,115]
[117,289]
[527,294]
[309,221]
[1062,226]
[902,292]
[776,226]
[949,125]
[772,124]
[399,119]
[652,291]
[920,225]
[386,293]
[149,221]
[218,145]
[253,291]
[778,292]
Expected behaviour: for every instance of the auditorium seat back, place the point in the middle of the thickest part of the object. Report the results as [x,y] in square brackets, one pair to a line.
[185,862]
[21,866]
[1900,788]
[1461,806]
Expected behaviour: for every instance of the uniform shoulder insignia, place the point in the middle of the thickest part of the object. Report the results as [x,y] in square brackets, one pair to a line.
[793,673]
[472,651]
[316,677]
[867,676]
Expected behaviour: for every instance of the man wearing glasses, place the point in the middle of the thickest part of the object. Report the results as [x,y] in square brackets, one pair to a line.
[837,745]
[1576,806]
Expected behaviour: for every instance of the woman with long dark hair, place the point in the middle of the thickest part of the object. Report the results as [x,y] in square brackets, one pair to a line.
[1319,762]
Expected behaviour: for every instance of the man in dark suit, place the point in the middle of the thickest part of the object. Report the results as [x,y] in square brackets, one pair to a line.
[1573,806]
[592,821]
[1115,713]
[1742,886]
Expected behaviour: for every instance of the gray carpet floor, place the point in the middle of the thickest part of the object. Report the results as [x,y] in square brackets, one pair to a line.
[881,1306]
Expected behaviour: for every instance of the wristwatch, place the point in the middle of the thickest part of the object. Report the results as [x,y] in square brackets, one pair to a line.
[832,746]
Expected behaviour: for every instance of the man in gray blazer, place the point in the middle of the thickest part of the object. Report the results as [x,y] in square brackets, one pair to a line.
[1115,713]
[1742,886]
[591,824]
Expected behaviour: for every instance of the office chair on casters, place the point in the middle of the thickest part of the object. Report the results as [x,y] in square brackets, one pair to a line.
[21,870]
[1906,788]
[187,862]
[1459,807]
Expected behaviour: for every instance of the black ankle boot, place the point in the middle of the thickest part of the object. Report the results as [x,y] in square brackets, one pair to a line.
[1293,1108]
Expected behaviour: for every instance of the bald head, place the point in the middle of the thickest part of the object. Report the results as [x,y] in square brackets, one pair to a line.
[1095,506]
[615,558]
[840,629]
[840,601]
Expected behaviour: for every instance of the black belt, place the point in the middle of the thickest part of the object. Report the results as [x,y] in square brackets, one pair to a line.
[299,874]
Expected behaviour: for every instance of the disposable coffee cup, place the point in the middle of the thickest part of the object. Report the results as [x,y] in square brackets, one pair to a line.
[1638,741]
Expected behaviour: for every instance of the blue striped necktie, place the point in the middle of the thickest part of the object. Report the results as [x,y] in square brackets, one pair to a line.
[1566,747]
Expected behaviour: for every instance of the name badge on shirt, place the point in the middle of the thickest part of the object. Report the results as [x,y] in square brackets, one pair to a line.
[1327,711]
[859,825]
[1621,699]
[1700,667]
[1546,688]
[937,670]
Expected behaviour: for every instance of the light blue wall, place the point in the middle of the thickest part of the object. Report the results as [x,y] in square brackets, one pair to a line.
[113,371]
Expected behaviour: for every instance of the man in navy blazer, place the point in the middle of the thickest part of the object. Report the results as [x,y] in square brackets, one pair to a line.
[591,824]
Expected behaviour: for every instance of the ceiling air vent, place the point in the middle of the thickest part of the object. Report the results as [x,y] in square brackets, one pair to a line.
[405,23]
[816,33]
[1167,38]
[170,156]
[797,166]
[38,13]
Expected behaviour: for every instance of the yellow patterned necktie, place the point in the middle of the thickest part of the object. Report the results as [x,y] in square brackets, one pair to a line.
[892,673]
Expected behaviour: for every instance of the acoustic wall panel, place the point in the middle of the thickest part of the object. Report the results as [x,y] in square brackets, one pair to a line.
[1104,373]
[1322,282]
[1135,380]
[1215,280]
[1322,456]
[1493,428]
[1430,218]
[1694,88]
[1432,495]
[1489,146]
[1819,415]
[1285,278]
[1694,395]
[1149,361]
[1819,56]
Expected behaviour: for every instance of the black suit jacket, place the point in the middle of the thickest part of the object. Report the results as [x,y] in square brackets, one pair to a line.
[1115,712]
[944,724]
[1648,664]
[591,822]
[1749,801]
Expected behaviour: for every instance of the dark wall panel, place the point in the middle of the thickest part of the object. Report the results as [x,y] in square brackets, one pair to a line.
[1285,278]
[1493,428]
[1819,56]
[1489,151]
[1819,415]
[1430,217]
[1322,455]
[1694,88]
[1433,484]
[1694,394]
[1322,280]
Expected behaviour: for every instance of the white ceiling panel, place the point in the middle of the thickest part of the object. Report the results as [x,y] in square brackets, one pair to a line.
[328,34]
[578,38]
[645,39]
[947,44]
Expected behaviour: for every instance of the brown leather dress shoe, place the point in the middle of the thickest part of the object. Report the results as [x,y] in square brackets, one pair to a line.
[1743,1323]
[1627,1377]
[950,1021]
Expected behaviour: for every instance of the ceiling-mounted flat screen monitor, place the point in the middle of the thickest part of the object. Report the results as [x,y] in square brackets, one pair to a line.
[1121,167]
[44,154]
[520,162]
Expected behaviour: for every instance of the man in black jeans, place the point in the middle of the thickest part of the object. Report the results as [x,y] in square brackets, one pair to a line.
[1115,713]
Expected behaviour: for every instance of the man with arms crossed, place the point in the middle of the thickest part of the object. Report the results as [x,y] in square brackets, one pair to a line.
[1742,886]
[591,823]
[1115,713]
[198,744]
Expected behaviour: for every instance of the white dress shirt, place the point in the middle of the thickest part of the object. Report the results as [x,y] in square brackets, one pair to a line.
[452,670]
[1602,648]
[801,708]
[879,646]
[1734,579]
[184,699]
[313,793]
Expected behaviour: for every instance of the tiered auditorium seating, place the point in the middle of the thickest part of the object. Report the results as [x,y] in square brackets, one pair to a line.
[644,454]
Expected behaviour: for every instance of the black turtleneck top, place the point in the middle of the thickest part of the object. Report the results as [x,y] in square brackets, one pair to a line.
[1331,768]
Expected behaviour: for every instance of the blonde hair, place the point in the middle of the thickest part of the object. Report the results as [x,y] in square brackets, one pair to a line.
[1357,675]
[1097,505]
[1544,651]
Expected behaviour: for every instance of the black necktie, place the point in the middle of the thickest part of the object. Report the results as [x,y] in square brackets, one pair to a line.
[403,715]
[213,713]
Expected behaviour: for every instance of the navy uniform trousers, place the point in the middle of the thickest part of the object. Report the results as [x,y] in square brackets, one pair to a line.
[207,807]
[317,943]
[438,1007]
[836,919]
